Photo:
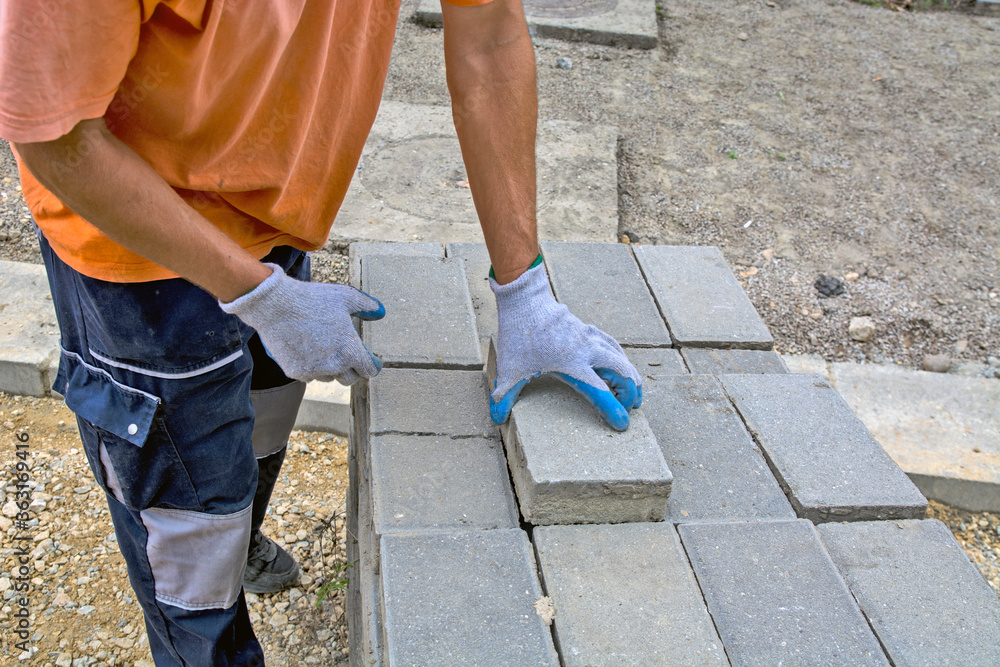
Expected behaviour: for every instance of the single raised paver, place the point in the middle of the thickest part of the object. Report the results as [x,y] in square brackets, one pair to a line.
[721,362]
[463,598]
[325,407]
[625,595]
[829,465]
[988,7]
[429,320]
[477,271]
[29,335]
[422,483]
[776,597]
[430,402]
[719,474]
[700,298]
[656,360]
[943,430]
[569,466]
[601,284]
[627,23]
[360,248]
[411,183]
[926,602]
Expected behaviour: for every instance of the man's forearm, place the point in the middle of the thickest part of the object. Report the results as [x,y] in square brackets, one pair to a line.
[116,191]
[491,77]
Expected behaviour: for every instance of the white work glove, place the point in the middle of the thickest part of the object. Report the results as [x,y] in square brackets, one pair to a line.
[307,327]
[537,335]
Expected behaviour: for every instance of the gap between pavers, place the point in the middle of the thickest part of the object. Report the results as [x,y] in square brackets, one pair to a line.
[626,23]
[411,183]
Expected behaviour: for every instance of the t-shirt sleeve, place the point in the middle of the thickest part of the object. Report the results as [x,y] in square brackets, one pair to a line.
[61,62]
[468,3]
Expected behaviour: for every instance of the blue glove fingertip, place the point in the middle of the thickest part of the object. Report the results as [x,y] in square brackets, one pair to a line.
[624,388]
[376,314]
[500,412]
[604,401]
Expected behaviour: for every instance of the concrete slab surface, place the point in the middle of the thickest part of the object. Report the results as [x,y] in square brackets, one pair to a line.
[827,462]
[463,598]
[29,334]
[601,284]
[926,602]
[719,474]
[477,272]
[700,298]
[422,483]
[411,183]
[722,362]
[776,597]
[429,320]
[325,407]
[626,23]
[625,595]
[430,402]
[656,360]
[569,466]
[943,430]
[359,248]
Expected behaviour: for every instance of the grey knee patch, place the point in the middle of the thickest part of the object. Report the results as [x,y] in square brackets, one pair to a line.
[274,416]
[197,559]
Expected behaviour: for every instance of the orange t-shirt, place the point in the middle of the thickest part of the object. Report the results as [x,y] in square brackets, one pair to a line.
[255,111]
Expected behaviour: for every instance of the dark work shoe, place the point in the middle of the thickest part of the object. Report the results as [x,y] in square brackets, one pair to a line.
[269,567]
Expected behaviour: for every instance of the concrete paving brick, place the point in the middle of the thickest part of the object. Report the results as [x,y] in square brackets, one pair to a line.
[827,462]
[411,183]
[626,23]
[776,597]
[721,362]
[601,284]
[926,602]
[429,320]
[656,360]
[943,430]
[357,250]
[477,271]
[569,466]
[625,595]
[719,474]
[700,298]
[325,407]
[463,598]
[430,402]
[29,335]
[422,483]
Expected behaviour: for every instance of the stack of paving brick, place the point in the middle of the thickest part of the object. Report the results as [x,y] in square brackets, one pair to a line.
[746,516]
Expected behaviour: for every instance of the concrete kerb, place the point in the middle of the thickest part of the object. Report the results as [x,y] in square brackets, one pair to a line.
[29,335]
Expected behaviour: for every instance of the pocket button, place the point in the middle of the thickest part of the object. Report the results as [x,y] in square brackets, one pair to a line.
[132,429]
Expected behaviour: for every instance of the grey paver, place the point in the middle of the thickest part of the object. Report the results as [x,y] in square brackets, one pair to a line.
[625,595]
[719,362]
[943,430]
[988,7]
[602,285]
[477,271]
[569,466]
[422,483]
[700,298]
[455,403]
[656,360]
[325,407]
[411,183]
[627,23]
[776,597]
[29,335]
[829,465]
[926,602]
[356,250]
[429,320]
[719,474]
[463,598]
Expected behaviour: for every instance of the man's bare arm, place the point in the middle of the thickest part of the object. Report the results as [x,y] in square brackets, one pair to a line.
[491,77]
[114,189]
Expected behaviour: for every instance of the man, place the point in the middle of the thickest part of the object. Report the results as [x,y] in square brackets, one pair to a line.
[180,157]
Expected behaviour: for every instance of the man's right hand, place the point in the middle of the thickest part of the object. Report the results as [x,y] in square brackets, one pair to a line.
[307,327]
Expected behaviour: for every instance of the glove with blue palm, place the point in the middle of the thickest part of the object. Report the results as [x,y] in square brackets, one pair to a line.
[539,336]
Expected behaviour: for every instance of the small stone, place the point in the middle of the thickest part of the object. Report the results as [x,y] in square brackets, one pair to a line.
[743,37]
[829,286]
[5,524]
[961,346]
[9,425]
[64,660]
[852,276]
[872,273]
[85,488]
[767,254]
[279,621]
[85,609]
[124,642]
[61,599]
[10,509]
[862,329]
[936,363]
[4,584]
[564,63]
